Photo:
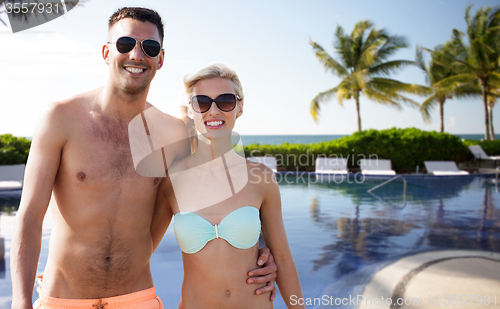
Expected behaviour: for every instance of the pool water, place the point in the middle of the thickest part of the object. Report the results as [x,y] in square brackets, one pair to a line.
[340,234]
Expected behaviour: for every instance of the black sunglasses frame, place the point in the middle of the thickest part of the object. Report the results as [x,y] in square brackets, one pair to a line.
[136,41]
[236,99]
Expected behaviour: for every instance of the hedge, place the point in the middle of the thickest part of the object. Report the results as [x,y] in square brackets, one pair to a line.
[406,148]
[13,150]
[492,148]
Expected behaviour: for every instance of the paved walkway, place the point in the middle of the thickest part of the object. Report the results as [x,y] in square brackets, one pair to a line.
[438,279]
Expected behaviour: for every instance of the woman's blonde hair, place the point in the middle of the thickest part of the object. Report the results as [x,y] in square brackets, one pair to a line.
[190,80]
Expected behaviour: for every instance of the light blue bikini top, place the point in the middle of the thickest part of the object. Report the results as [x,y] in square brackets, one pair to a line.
[240,228]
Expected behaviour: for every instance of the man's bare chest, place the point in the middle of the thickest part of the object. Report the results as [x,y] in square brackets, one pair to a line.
[99,153]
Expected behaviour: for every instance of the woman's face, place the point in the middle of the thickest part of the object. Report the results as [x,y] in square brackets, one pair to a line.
[215,123]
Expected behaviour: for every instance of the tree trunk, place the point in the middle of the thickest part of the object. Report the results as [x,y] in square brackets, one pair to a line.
[486,114]
[492,130]
[357,109]
[441,113]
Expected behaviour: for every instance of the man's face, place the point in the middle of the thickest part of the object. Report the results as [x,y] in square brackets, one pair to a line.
[132,72]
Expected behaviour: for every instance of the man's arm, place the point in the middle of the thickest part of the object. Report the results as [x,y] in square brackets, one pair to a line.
[41,170]
[162,214]
[267,273]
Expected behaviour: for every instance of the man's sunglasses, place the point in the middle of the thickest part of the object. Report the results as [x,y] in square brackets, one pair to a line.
[225,102]
[150,47]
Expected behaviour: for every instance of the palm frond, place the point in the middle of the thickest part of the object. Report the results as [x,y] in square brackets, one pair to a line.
[381,98]
[455,81]
[344,91]
[368,56]
[375,38]
[322,97]
[389,67]
[393,87]
[359,79]
[327,61]
[391,45]
[419,58]
[426,108]
[342,47]
[494,78]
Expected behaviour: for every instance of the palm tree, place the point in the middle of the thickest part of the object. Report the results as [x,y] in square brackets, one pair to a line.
[363,68]
[439,68]
[492,100]
[477,61]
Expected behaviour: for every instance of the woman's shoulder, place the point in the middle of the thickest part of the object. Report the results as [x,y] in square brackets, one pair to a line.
[258,173]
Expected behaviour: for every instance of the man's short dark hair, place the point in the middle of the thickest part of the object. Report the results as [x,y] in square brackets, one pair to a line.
[140,14]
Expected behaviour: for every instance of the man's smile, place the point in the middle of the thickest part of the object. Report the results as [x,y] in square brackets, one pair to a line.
[134,70]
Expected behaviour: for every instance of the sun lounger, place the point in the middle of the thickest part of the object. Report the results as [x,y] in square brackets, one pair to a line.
[376,167]
[267,161]
[331,166]
[479,154]
[11,177]
[10,185]
[443,168]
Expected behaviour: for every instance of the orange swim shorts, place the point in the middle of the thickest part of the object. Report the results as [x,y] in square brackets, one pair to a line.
[145,299]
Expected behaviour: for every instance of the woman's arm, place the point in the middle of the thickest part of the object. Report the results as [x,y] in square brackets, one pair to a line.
[274,234]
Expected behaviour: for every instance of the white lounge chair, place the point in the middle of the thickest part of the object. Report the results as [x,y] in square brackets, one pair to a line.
[479,154]
[267,161]
[11,177]
[376,167]
[443,168]
[331,166]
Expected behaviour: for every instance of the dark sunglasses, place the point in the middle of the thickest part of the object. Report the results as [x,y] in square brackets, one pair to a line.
[225,102]
[150,47]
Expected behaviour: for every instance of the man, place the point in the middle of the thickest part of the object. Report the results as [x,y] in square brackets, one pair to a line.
[101,243]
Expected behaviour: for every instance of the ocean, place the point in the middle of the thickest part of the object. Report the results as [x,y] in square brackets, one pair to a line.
[308,139]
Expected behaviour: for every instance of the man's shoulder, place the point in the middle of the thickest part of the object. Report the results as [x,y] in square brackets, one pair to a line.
[73,104]
[163,126]
[57,122]
[161,118]
[62,116]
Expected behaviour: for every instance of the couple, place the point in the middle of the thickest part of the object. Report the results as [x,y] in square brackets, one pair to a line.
[108,219]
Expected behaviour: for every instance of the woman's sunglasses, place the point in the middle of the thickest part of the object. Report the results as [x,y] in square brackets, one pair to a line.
[225,102]
[150,47]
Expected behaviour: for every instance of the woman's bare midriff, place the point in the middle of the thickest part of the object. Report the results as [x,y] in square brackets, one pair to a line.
[216,277]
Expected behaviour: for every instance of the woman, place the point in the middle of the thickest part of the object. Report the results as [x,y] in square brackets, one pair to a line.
[220,202]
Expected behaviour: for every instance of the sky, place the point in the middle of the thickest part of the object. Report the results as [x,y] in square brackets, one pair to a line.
[266,42]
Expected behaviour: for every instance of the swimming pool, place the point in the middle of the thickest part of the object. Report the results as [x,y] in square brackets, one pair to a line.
[340,235]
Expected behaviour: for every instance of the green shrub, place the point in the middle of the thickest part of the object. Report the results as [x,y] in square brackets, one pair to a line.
[13,150]
[406,148]
[492,148]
